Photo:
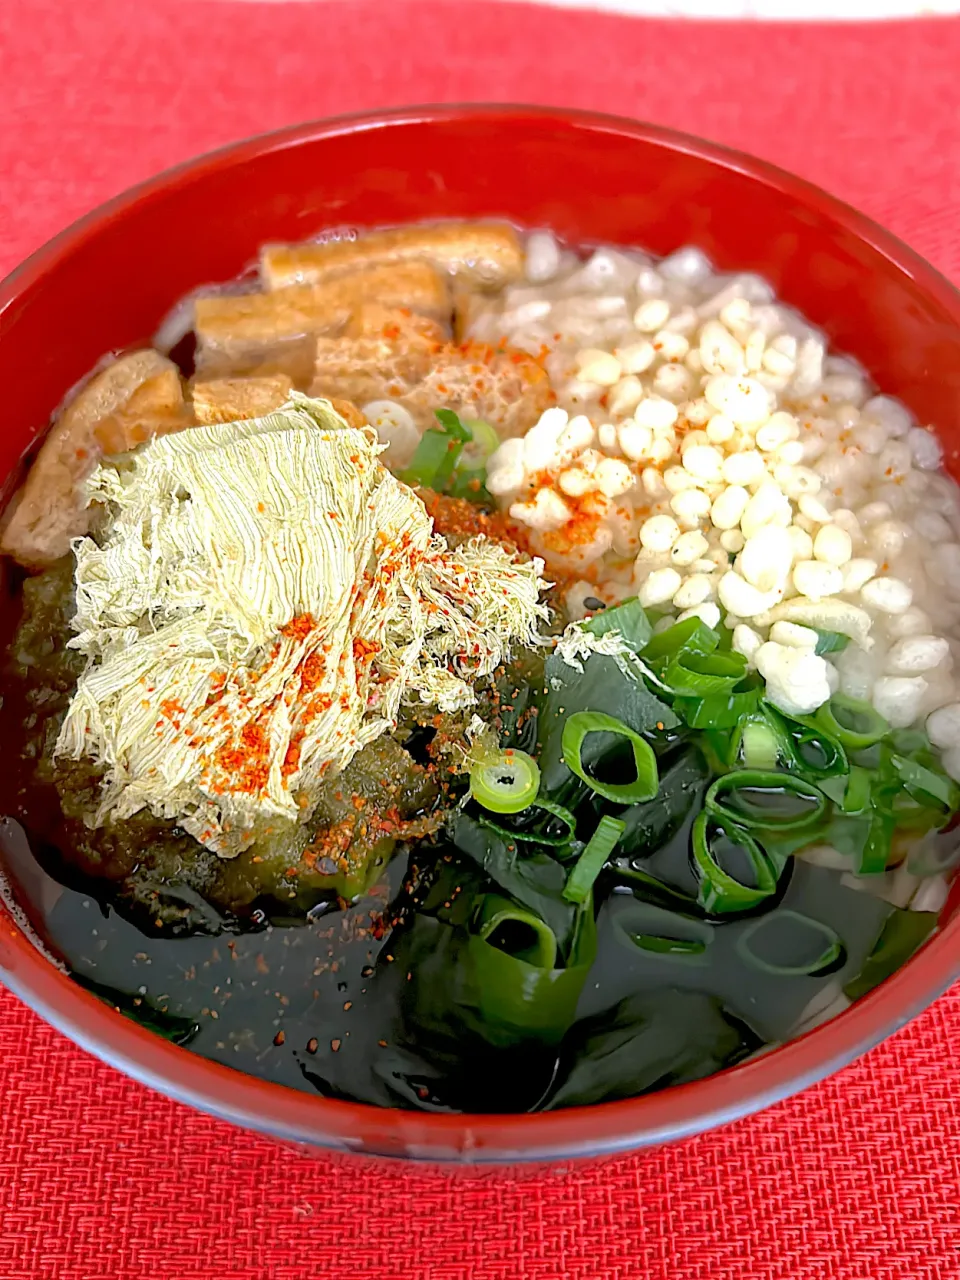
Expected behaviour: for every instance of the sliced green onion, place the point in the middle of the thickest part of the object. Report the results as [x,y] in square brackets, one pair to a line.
[575,731]
[833,788]
[452,425]
[856,794]
[690,636]
[714,745]
[917,815]
[749,798]
[629,618]
[705,674]
[719,710]
[866,837]
[853,723]
[524,835]
[558,811]
[759,745]
[470,485]
[438,453]
[666,895]
[518,932]
[916,778]
[718,891]
[505,782]
[876,848]
[804,736]
[590,863]
[764,730]
[482,440]
[433,462]
[909,742]
[833,949]
[831,642]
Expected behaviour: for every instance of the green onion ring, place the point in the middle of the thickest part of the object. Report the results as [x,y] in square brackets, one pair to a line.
[849,738]
[856,796]
[661,932]
[506,781]
[876,847]
[764,781]
[916,777]
[759,744]
[705,674]
[575,731]
[826,960]
[719,892]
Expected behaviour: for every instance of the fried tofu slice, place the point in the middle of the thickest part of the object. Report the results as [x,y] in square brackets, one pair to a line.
[263,334]
[135,398]
[468,307]
[382,347]
[487,255]
[394,325]
[367,369]
[232,399]
[508,389]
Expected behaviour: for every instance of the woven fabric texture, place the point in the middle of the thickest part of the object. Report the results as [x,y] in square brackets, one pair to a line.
[858,1179]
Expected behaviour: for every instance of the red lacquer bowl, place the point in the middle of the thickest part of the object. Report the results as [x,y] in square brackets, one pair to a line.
[106,283]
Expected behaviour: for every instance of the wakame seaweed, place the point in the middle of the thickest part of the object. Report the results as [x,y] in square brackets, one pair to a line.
[584,948]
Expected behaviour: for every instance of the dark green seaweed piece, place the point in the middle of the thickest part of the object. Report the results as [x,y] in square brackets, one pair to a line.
[172,1027]
[535,879]
[647,827]
[648,1041]
[660,931]
[903,932]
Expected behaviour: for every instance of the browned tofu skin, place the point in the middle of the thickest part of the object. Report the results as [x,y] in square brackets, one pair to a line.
[135,398]
[394,324]
[468,306]
[382,348]
[232,399]
[365,369]
[487,255]
[508,389]
[263,334]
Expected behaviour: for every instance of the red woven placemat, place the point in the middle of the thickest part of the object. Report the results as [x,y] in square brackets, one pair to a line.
[99,1178]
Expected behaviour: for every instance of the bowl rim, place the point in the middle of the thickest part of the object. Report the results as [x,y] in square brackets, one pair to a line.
[577,1132]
